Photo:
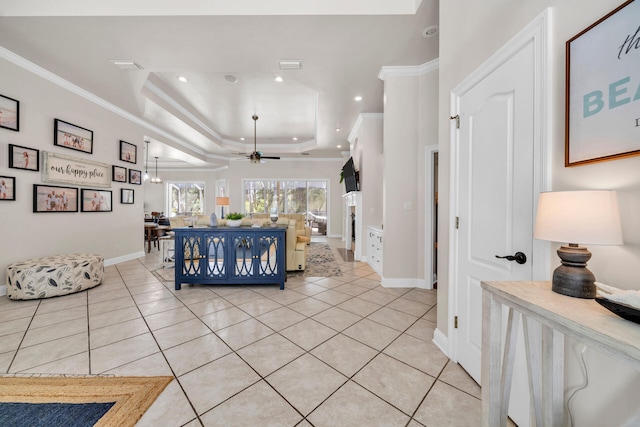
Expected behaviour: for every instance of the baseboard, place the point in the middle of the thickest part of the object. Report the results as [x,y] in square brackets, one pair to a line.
[124,258]
[409,282]
[441,341]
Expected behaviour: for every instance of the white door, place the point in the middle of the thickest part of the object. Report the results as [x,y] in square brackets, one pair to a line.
[495,196]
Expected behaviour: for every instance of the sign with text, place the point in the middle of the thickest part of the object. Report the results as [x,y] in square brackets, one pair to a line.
[71,170]
[603,89]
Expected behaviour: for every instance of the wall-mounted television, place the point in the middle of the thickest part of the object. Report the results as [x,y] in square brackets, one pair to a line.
[349,174]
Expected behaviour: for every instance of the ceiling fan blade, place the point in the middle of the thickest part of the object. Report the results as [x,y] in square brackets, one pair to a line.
[270,157]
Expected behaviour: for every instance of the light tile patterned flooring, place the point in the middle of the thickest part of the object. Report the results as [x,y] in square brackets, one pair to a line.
[340,351]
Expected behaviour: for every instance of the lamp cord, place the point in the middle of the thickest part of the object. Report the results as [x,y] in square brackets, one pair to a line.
[583,366]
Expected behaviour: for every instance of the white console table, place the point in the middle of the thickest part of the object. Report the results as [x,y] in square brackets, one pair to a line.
[559,315]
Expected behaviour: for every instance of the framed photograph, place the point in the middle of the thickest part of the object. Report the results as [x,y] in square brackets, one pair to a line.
[52,198]
[128,152]
[119,174]
[135,177]
[126,196]
[24,158]
[72,136]
[603,96]
[9,113]
[8,188]
[95,200]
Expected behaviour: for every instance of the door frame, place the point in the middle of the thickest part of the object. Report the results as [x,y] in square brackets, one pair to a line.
[429,211]
[538,34]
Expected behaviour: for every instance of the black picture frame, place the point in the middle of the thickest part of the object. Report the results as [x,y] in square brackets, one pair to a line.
[127,196]
[7,188]
[73,137]
[94,200]
[135,177]
[9,113]
[24,158]
[118,174]
[128,152]
[54,198]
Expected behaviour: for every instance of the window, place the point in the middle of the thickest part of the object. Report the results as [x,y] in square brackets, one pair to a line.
[185,198]
[296,196]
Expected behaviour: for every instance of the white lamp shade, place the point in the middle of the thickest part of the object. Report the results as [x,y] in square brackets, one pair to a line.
[581,217]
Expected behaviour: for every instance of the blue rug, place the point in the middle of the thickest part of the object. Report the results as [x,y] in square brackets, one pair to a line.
[52,414]
[76,401]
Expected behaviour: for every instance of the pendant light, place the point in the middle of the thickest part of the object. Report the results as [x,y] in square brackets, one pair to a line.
[156,179]
[146,162]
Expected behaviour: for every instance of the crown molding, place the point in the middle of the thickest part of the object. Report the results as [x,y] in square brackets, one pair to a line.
[212,8]
[408,70]
[362,117]
[65,84]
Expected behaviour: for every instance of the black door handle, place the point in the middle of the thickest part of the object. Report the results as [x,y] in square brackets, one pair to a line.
[519,257]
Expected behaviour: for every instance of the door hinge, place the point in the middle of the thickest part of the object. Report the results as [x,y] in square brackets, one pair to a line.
[457,119]
[457,222]
[455,322]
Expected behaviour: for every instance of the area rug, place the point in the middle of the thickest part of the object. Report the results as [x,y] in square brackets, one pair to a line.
[320,262]
[131,397]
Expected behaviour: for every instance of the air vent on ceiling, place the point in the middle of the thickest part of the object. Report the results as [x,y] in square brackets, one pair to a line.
[126,64]
[290,64]
[304,154]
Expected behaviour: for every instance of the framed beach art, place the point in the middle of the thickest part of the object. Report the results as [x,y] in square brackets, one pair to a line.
[9,113]
[7,188]
[135,177]
[72,136]
[119,174]
[128,152]
[53,198]
[603,89]
[24,158]
[95,200]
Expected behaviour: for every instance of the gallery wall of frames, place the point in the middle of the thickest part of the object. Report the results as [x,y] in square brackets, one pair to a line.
[70,183]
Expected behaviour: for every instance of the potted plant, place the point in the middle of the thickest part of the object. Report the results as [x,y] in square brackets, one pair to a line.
[234,219]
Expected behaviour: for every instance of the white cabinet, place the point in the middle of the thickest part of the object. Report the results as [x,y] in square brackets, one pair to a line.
[374,249]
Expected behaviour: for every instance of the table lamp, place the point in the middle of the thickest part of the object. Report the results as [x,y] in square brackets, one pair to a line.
[222,202]
[577,217]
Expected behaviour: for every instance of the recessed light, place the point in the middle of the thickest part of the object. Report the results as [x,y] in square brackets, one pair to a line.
[241,139]
[295,138]
[358,98]
[338,146]
[430,31]
[279,79]
[183,79]
[337,129]
[230,78]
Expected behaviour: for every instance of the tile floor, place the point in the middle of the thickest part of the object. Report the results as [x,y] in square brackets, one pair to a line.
[340,351]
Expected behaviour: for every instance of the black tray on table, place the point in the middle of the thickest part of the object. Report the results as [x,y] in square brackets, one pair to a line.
[625,311]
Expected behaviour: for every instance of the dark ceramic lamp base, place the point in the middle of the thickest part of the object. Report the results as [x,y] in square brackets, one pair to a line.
[573,278]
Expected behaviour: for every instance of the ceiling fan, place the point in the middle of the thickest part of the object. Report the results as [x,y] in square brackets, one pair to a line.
[256,155]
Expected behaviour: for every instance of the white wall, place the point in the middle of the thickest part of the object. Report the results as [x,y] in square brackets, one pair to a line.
[410,124]
[24,234]
[366,150]
[470,33]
